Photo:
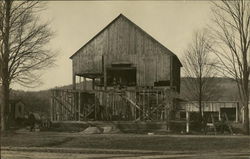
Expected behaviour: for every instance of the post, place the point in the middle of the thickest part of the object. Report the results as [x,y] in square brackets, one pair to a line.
[219,115]
[93,83]
[143,105]
[79,106]
[157,102]
[85,83]
[51,107]
[95,106]
[74,81]
[104,73]
[187,121]
[237,112]
[80,81]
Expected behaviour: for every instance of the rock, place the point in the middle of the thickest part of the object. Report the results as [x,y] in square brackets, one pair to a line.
[110,130]
[92,130]
[22,130]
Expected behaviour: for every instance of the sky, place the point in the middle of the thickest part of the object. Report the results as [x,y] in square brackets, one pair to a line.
[172,23]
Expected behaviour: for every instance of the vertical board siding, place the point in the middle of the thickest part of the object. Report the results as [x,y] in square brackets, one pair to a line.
[122,41]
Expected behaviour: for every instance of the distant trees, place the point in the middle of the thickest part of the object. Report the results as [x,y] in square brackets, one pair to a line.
[23,51]
[38,102]
[231,34]
[199,70]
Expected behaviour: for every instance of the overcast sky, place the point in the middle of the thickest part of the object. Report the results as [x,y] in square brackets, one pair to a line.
[172,23]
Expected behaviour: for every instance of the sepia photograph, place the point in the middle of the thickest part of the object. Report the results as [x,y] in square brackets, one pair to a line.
[125,79]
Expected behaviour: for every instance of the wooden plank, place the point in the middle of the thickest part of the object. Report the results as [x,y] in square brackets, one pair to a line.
[51,107]
[79,106]
[95,102]
[93,84]
[228,124]
[104,73]
[74,81]
[187,121]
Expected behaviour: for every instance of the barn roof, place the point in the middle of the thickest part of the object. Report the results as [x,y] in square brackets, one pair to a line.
[122,16]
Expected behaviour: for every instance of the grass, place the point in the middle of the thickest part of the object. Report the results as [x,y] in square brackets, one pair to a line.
[129,142]
[32,140]
[159,143]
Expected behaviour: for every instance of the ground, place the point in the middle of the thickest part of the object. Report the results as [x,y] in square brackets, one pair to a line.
[54,145]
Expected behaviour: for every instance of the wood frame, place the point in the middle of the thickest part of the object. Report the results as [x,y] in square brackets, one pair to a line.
[138,105]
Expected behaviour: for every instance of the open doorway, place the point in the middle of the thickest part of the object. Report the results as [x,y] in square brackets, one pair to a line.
[121,75]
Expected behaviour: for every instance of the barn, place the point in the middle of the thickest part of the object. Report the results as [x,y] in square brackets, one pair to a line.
[132,76]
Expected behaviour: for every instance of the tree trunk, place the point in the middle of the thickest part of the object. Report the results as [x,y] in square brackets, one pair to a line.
[5,70]
[246,117]
[5,106]
[245,102]
[200,99]
[2,109]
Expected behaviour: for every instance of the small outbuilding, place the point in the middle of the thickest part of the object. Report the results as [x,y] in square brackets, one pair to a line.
[16,109]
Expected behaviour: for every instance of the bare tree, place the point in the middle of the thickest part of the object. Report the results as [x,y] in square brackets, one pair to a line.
[231,34]
[23,50]
[199,84]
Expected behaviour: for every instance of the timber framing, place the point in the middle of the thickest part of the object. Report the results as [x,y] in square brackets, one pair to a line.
[133,78]
[112,105]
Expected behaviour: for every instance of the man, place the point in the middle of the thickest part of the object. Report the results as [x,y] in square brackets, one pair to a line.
[32,121]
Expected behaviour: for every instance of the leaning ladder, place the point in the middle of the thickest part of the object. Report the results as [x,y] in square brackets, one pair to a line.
[228,124]
[214,126]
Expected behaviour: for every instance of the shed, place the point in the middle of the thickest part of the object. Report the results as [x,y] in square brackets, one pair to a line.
[16,109]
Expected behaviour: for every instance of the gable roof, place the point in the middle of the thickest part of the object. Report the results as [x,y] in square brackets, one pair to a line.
[122,16]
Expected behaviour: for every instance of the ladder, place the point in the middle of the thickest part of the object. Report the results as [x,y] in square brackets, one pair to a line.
[228,124]
[211,125]
[214,126]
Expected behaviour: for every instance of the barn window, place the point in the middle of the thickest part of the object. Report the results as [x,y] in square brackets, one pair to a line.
[121,75]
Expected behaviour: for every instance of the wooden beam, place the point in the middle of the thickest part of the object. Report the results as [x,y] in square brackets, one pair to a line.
[74,81]
[171,72]
[95,107]
[85,83]
[187,121]
[105,79]
[93,83]
[79,106]
[80,81]
[51,107]
[237,112]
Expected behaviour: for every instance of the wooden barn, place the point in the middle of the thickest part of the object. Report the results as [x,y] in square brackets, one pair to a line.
[132,76]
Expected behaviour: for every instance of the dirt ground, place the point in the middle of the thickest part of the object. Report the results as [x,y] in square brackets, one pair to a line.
[54,145]
[50,155]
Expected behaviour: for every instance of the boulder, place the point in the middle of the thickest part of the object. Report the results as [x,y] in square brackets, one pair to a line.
[92,130]
[110,130]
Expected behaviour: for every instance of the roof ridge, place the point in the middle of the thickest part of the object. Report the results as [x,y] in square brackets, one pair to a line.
[122,15]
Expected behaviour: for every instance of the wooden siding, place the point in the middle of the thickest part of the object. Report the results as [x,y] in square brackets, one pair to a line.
[123,41]
[176,74]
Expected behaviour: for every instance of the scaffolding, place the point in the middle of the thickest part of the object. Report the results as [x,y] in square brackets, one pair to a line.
[140,104]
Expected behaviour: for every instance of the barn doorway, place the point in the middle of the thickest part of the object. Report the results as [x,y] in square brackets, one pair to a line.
[121,75]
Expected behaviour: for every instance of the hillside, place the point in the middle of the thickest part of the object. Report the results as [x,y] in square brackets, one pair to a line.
[226,89]
[39,101]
